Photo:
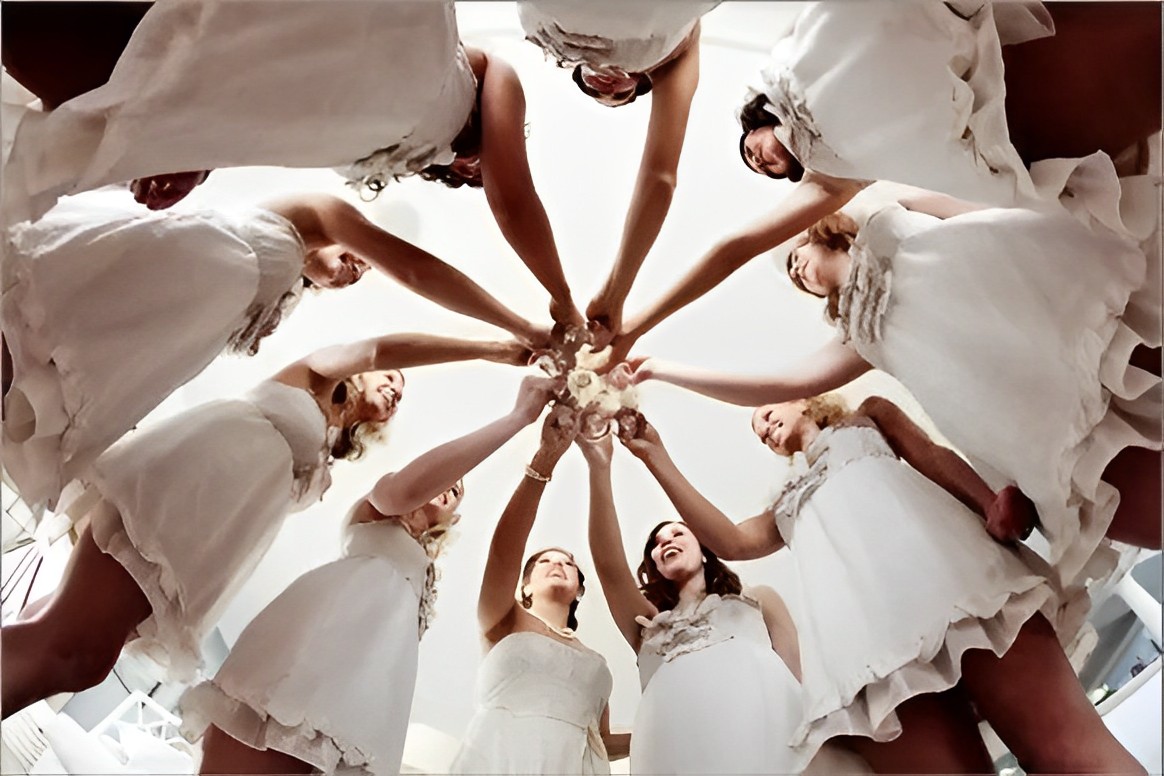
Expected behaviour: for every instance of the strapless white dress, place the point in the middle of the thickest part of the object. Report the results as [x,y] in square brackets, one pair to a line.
[539,702]
[326,671]
[1029,317]
[310,85]
[108,308]
[634,36]
[898,579]
[199,499]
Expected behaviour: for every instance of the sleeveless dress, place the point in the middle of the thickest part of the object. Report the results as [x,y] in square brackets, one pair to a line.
[108,308]
[909,91]
[871,539]
[633,36]
[1028,315]
[311,85]
[197,501]
[326,671]
[716,698]
[539,701]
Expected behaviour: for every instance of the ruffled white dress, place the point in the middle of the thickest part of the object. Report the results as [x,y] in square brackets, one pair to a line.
[716,698]
[326,671]
[204,84]
[109,308]
[197,501]
[539,702]
[898,579]
[1024,313]
[634,36]
[909,91]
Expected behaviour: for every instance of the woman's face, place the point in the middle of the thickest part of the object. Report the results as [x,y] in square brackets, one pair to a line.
[820,270]
[553,571]
[333,267]
[783,428]
[766,155]
[440,512]
[614,86]
[677,554]
[379,394]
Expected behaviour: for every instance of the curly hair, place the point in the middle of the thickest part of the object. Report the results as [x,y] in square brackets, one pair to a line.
[664,593]
[836,232]
[527,569]
[753,116]
[354,438]
[827,409]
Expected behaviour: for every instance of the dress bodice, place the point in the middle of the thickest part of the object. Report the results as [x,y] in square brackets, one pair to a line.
[671,634]
[389,540]
[834,448]
[295,414]
[528,674]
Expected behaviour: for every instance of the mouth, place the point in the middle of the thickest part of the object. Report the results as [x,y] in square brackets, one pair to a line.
[671,552]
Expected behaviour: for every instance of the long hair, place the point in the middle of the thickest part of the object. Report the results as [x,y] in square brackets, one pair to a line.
[527,569]
[837,232]
[353,439]
[664,593]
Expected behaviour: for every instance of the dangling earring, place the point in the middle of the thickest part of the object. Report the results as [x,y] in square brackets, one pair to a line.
[526,599]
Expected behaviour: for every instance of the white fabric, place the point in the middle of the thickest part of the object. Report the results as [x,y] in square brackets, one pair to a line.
[224,83]
[897,580]
[196,502]
[1024,313]
[539,701]
[716,698]
[909,91]
[634,36]
[325,672]
[110,307]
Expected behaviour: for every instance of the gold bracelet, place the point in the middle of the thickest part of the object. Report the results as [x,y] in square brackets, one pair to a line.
[534,474]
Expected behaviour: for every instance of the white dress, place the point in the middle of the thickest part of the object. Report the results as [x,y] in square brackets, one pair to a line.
[634,36]
[326,671]
[310,85]
[909,91]
[539,701]
[198,501]
[1024,313]
[716,698]
[898,579]
[108,309]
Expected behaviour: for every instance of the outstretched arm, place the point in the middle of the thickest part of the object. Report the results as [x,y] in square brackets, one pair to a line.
[509,186]
[815,197]
[833,365]
[496,607]
[671,96]
[432,473]
[938,205]
[623,596]
[753,538]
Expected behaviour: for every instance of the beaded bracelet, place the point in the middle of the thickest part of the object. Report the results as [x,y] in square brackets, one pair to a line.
[534,474]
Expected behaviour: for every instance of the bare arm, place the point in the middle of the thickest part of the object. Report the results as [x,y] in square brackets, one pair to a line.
[938,205]
[756,537]
[671,99]
[509,185]
[833,365]
[434,472]
[623,596]
[781,627]
[496,607]
[617,744]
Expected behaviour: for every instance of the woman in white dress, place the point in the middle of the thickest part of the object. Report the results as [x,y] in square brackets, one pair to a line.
[718,665]
[541,694]
[828,120]
[180,514]
[1034,319]
[108,309]
[322,678]
[908,606]
[620,51]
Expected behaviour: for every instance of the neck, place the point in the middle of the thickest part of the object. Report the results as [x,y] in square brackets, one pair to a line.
[694,589]
[841,271]
[551,612]
[808,436]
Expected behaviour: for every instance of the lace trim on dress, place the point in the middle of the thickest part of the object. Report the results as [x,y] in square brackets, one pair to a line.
[262,320]
[674,633]
[803,480]
[797,129]
[865,296]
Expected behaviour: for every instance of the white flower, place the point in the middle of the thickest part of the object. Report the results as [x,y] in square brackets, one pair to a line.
[584,386]
[588,358]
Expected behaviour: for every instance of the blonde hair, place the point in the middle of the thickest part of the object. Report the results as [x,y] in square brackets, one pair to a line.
[836,232]
[827,409]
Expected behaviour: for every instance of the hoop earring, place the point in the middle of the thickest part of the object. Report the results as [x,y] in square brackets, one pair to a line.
[526,599]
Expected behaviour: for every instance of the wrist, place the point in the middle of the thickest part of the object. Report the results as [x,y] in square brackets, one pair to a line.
[544,463]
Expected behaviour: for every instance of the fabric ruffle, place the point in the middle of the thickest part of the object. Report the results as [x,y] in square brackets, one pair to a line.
[674,634]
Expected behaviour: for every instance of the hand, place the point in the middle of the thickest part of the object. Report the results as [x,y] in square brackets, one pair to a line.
[558,431]
[605,319]
[640,437]
[1011,516]
[597,452]
[620,346]
[533,395]
[642,369]
[513,353]
[536,337]
[565,313]
[162,191]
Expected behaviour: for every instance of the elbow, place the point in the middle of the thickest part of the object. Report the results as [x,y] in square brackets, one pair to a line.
[874,408]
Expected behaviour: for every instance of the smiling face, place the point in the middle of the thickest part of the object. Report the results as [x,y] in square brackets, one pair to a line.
[784,428]
[677,554]
[766,155]
[818,269]
[378,394]
[438,515]
[333,267]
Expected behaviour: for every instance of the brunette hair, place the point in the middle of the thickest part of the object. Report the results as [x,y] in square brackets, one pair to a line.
[753,116]
[664,593]
[643,85]
[466,143]
[527,569]
[837,232]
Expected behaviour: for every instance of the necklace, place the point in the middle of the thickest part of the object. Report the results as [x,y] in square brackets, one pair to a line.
[566,633]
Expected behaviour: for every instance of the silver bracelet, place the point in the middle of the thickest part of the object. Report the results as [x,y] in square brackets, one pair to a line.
[534,474]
